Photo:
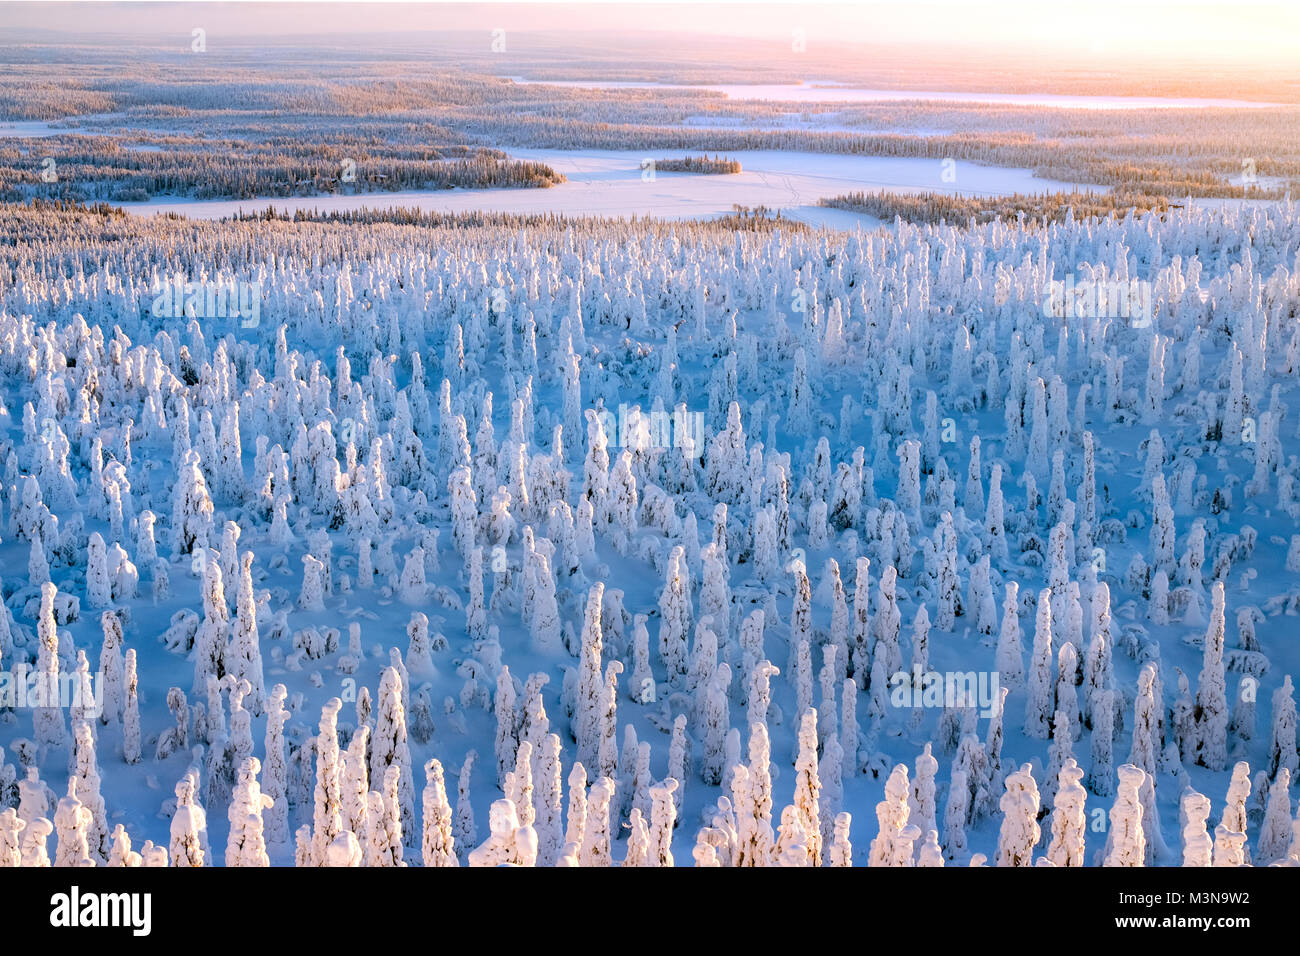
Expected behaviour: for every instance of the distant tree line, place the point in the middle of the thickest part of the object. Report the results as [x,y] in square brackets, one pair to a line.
[87,168]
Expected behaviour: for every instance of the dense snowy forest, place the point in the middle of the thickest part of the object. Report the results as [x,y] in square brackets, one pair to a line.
[576,543]
[88,168]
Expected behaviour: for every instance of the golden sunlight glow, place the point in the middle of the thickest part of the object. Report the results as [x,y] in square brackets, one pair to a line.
[1096,32]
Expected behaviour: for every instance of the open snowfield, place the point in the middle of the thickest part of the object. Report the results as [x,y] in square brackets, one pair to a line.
[615,184]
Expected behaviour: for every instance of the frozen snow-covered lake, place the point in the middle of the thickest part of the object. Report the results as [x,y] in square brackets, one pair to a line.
[613,184]
[41,129]
[32,129]
[837,93]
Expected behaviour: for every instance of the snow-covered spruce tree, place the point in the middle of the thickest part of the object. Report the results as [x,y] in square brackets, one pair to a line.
[507,719]
[47,717]
[949,586]
[389,747]
[576,820]
[663,818]
[111,669]
[1010,659]
[715,593]
[245,644]
[1158,609]
[893,845]
[930,853]
[861,653]
[1212,692]
[545,622]
[595,847]
[826,678]
[790,849]
[1229,847]
[921,802]
[590,680]
[1060,750]
[189,825]
[800,617]
[121,856]
[437,846]
[994,736]
[1198,846]
[760,786]
[848,731]
[327,817]
[83,702]
[994,522]
[607,723]
[1126,844]
[385,819]
[1069,821]
[888,621]
[717,724]
[211,638]
[191,509]
[638,840]
[354,786]
[1019,833]
[246,845]
[466,831]
[86,779]
[33,850]
[1275,835]
[548,799]
[807,787]
[275,777]
[131,711]
[1282,753]
[1143,754]
[1162,529]
[1039,702]
[800,411]
[302,845]
[98,586]
[752,848]
[1234,818]
[703,662]
[419,653]
[802,677]
[345,851]
[519,784]
[72,821]
[1103,730]
[1067,698]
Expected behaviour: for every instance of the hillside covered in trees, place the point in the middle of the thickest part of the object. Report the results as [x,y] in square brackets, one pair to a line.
[577,542]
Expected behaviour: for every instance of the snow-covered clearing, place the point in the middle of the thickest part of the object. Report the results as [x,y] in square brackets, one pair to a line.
[618,184]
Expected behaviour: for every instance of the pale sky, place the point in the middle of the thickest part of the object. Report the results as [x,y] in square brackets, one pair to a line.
[1140,30]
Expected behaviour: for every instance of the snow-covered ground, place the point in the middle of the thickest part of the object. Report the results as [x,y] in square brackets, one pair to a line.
[617,184]
[40,129]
